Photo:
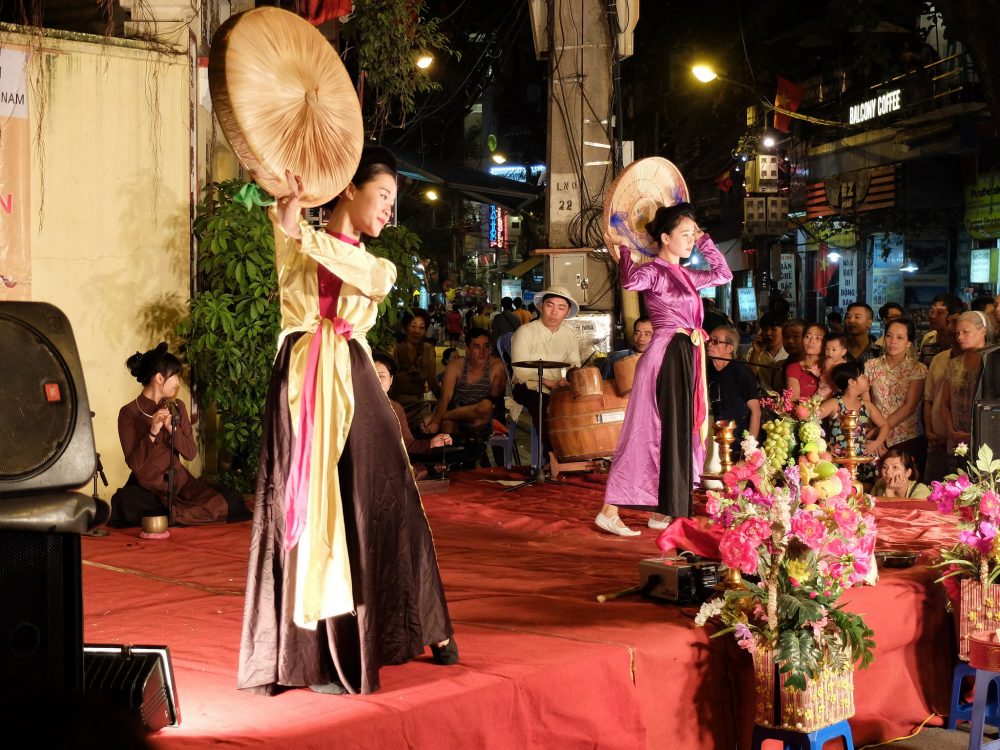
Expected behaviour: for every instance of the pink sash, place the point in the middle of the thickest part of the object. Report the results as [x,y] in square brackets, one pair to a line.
[297,485]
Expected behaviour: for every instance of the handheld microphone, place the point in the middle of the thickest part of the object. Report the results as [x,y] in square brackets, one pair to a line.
[175,414]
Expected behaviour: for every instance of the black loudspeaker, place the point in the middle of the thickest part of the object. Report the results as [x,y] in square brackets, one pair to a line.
[988,387]
[46,435]
[985,427]
[41,608]
[139,679]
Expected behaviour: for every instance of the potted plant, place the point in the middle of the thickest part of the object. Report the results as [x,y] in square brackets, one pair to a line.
[792,525]
[972,566]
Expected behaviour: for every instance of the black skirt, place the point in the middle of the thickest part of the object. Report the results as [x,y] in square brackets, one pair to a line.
[675,404]
[399,598]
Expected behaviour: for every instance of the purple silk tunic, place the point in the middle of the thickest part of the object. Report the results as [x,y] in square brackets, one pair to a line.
[671,295]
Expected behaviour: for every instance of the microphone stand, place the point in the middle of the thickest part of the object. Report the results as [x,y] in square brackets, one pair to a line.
[175,420]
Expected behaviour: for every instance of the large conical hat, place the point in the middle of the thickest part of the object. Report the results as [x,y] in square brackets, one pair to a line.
[285,101]
[632,200]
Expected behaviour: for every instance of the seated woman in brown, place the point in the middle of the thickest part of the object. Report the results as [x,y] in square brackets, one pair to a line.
[386,369]
[145,427]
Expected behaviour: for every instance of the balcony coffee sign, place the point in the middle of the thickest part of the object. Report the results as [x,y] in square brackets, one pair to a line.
[878,106]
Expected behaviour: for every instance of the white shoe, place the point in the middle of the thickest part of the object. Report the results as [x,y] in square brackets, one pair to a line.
[614,525]
[657,524]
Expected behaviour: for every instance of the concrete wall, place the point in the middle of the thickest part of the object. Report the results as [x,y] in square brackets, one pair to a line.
[110,203]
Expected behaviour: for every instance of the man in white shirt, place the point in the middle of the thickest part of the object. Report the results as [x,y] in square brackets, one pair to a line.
[546,338]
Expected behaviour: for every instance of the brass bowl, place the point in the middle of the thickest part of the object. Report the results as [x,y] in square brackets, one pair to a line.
[154,524]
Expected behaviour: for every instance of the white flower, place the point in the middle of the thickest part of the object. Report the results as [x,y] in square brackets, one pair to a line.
[709,610]
[749,444]
[961,449]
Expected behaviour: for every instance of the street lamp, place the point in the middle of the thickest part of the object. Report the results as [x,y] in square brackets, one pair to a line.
[424,60]
[431,194]
[499,158]
[706,74]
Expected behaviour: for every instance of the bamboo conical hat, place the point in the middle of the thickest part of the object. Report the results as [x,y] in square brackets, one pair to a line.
[285,101]
[632,200]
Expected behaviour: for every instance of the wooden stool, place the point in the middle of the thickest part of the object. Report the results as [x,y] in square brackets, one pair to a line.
[804,740]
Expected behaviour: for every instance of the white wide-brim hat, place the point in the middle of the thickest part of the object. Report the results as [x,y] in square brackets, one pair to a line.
[558,291]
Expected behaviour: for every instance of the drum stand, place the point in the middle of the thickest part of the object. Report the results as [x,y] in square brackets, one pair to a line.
[538,473]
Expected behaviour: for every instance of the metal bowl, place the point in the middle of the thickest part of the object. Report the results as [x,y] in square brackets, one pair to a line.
[896,559]
[154,524]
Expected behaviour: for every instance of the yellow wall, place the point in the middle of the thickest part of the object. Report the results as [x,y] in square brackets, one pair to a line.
[110,200]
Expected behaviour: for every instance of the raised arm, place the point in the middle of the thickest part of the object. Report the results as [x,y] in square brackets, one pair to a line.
[719,273]
[372,276]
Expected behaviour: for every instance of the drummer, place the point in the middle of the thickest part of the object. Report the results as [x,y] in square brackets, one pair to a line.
[547,338]
[642,335]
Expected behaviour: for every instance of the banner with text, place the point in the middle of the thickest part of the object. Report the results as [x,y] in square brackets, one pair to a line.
[786,281]
[15,176]
[848,278]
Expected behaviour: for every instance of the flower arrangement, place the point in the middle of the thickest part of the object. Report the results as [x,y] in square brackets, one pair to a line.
[790,520]
[974,496]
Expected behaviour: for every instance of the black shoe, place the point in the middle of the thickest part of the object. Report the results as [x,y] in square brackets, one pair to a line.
[447,654]
[329,688]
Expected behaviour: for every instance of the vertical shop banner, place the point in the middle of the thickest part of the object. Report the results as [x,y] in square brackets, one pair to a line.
[15,177]
[848,278]
[786,282]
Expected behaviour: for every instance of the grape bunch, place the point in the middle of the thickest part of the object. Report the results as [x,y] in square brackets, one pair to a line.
[779,440]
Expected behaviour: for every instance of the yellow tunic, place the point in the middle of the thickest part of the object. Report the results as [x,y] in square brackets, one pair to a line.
[322,572]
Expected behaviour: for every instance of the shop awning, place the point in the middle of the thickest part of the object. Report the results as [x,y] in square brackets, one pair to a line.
[524,266]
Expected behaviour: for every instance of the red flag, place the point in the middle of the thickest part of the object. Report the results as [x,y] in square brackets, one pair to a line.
[724,181]
[789,97]
[824,270]
[320,11]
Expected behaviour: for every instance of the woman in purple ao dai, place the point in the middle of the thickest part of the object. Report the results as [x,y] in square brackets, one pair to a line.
[661,448]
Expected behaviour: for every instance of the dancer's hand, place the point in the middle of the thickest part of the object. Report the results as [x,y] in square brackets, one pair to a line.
[288,206]
[613,241]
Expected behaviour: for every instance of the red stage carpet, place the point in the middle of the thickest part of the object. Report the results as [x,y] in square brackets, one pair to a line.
[543,664]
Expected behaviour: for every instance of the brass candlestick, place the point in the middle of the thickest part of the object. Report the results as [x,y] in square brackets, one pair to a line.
[725,437]
[848,425]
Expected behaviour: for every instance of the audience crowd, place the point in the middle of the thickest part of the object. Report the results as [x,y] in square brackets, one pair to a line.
[914,393]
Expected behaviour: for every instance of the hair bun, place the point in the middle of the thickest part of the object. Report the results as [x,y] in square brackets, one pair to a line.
[143,366]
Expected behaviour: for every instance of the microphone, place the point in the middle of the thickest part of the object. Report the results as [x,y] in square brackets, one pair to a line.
[175,414]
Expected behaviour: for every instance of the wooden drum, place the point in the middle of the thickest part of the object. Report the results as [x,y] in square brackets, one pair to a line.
[585,428]
[585,382]
[625,373]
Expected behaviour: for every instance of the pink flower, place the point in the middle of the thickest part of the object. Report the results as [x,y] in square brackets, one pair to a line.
[802,411]
[744,636]
[755,460]
[739,552]
[818,625]
[845,516]
[989,506]
[809,529]
[712,505]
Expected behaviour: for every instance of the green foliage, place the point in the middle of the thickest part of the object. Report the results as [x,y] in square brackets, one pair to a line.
[388,33]
[401,246]
[234,320]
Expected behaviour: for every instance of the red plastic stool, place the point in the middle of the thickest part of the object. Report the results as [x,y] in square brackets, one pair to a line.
[984,657]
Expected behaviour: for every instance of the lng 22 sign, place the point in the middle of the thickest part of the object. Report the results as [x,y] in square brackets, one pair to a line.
[877,106]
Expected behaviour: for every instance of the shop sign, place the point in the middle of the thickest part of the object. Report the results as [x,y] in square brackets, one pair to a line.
[979,266]
[848,278]
[746,300]
[877,106]
[786,282]
[498,227]
[982,207]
